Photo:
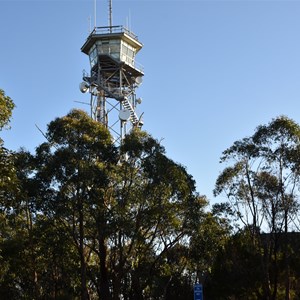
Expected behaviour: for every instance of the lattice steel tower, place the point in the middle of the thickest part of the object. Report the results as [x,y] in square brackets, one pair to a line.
[113,78]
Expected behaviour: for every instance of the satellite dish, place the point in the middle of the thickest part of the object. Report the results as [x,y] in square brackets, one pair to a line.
[124,115]
[83,86]
[139,80]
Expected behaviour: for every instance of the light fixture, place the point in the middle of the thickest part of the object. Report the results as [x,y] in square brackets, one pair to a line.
[83,86]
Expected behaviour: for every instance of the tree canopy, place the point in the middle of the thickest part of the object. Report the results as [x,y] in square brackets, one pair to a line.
[83,219]
[115,216]
[262,185]
[6,107]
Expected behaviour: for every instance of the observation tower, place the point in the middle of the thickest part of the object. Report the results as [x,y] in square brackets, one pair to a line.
[113,78]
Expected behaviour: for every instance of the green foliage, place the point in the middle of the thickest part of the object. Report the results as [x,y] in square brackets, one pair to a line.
[264,174]
[100,222]
[8,180]
[8,190]
[6,108]
[157,206]
[7,171]
[262,187]
[237,272]
[83,219]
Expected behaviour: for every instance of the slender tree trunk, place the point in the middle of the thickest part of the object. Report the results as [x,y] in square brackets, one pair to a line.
[275,266]
[84,291]
[166,288]
[101,227]
[252,206]
[104,283]
[136,288]
[119,269]
[266,279]
[285,240]
[116,287]
[286,257]
[35,287]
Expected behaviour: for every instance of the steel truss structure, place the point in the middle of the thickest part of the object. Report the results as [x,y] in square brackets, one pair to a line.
[113,78]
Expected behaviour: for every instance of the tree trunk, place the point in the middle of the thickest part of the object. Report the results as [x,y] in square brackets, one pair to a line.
[84,291]
[136,288]
[286,257]
[104,283]
[274,251]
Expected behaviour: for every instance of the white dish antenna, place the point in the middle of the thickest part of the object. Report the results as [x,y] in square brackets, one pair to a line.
[139,80]
[124,115]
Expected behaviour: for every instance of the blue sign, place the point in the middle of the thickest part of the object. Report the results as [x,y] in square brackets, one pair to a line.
[198,291]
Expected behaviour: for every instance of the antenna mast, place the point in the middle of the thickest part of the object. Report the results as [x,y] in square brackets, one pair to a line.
[95,13]
[110,14]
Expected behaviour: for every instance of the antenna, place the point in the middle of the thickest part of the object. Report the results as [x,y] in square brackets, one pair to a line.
[90,24]
[95,13]
[110,14]
[128,20]
[129,23]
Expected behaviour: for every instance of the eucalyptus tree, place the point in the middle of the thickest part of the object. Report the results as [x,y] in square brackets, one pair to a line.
[156,210]
[6,107]
[7,171]
[73,167]
[236,271]
[16,213]
[8,188]
[125,209]
[209,238]
[262,184]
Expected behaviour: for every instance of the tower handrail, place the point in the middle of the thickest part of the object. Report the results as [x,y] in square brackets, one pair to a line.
[113,29]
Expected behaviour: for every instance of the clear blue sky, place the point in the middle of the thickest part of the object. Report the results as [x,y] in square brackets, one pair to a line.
[214,70]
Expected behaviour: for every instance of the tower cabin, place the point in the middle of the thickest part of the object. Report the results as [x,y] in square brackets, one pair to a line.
[112,52]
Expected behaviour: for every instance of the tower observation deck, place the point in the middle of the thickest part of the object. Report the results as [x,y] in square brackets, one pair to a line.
[113,78]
